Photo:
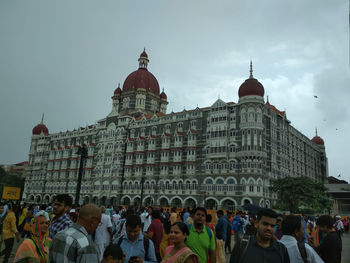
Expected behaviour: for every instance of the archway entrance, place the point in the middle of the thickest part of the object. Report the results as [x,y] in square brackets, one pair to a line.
[176,202]
[228,205]
[211,204]
[126,201]
[190,203]
[164,202]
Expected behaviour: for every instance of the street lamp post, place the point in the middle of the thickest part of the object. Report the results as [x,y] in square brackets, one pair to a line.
[82,151]
[142,182]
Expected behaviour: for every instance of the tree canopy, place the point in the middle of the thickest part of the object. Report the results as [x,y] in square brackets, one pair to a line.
[300,194]
[10,180]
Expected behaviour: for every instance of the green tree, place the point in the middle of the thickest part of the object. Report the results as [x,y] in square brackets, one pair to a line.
[9,180]
[300,194]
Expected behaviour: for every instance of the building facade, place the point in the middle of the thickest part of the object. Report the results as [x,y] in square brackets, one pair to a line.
[221,156]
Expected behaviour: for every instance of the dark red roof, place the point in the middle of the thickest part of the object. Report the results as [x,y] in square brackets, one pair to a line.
[144,54]
[275,109]
[141,79]
[318,140]
[118,91]
[251,86]
[163,95]
[37,130]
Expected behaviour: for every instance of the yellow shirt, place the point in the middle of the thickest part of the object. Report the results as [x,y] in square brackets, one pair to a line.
[173,218]
[9,226]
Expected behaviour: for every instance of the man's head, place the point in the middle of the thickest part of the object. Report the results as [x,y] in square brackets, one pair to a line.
[265,224]
[156,214]
[113,254]
[279,221]
[200,215]
[62,204]
[220,213]
[292,226]
[103,209]
[133,227]
[325,223]
[89,217]
[173,209]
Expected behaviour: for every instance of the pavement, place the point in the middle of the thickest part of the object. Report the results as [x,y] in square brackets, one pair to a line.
[345,252]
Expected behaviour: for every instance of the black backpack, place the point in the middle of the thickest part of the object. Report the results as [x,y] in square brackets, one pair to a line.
[145,245]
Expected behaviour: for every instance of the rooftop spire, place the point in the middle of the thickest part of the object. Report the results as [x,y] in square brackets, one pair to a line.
[251,70]
[316,131]
[143,60]
[42,119]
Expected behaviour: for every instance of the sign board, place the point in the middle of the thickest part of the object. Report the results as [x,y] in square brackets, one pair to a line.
[12,193]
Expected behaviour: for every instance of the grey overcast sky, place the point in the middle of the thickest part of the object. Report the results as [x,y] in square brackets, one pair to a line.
[65,58]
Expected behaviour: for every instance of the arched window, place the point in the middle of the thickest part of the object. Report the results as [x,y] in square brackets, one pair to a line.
[230,185]
[220,185]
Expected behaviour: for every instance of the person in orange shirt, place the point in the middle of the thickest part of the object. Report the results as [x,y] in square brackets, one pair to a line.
[9,231]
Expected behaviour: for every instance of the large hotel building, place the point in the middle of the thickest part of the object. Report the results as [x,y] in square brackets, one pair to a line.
[221,156]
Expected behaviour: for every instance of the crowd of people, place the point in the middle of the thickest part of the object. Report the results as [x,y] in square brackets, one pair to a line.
[66,233]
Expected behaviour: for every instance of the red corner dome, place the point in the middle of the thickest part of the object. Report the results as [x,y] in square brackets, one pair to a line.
[142,78]
[318,140]
[163,95]
[251,86]
[40,128]
[117,91]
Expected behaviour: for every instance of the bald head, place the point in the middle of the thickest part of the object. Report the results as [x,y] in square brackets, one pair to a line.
[88,211]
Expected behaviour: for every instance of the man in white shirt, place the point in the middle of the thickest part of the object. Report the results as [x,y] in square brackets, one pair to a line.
[293,232]
[103,234]
[147,219]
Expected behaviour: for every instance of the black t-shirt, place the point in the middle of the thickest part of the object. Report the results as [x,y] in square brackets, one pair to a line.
[253,252]
[330,249]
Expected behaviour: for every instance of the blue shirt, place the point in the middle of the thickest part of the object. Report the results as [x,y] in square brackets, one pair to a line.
[186,215]
[221,228]
[137,249]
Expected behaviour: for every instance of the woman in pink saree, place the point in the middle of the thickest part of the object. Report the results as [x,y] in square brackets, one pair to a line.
[179,252]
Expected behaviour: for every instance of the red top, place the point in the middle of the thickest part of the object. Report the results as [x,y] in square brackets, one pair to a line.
[251,86]
[156,228]
[318,140]
[37,130]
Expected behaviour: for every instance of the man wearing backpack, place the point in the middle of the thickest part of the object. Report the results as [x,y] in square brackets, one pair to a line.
[293,232]
[261,247]
[201,239]
[135,245]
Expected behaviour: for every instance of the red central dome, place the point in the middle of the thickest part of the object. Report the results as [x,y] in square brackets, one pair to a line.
[37,130]
[251,86]
[142,78]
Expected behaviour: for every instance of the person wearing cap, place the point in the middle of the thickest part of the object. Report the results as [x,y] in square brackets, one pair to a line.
[36,247]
